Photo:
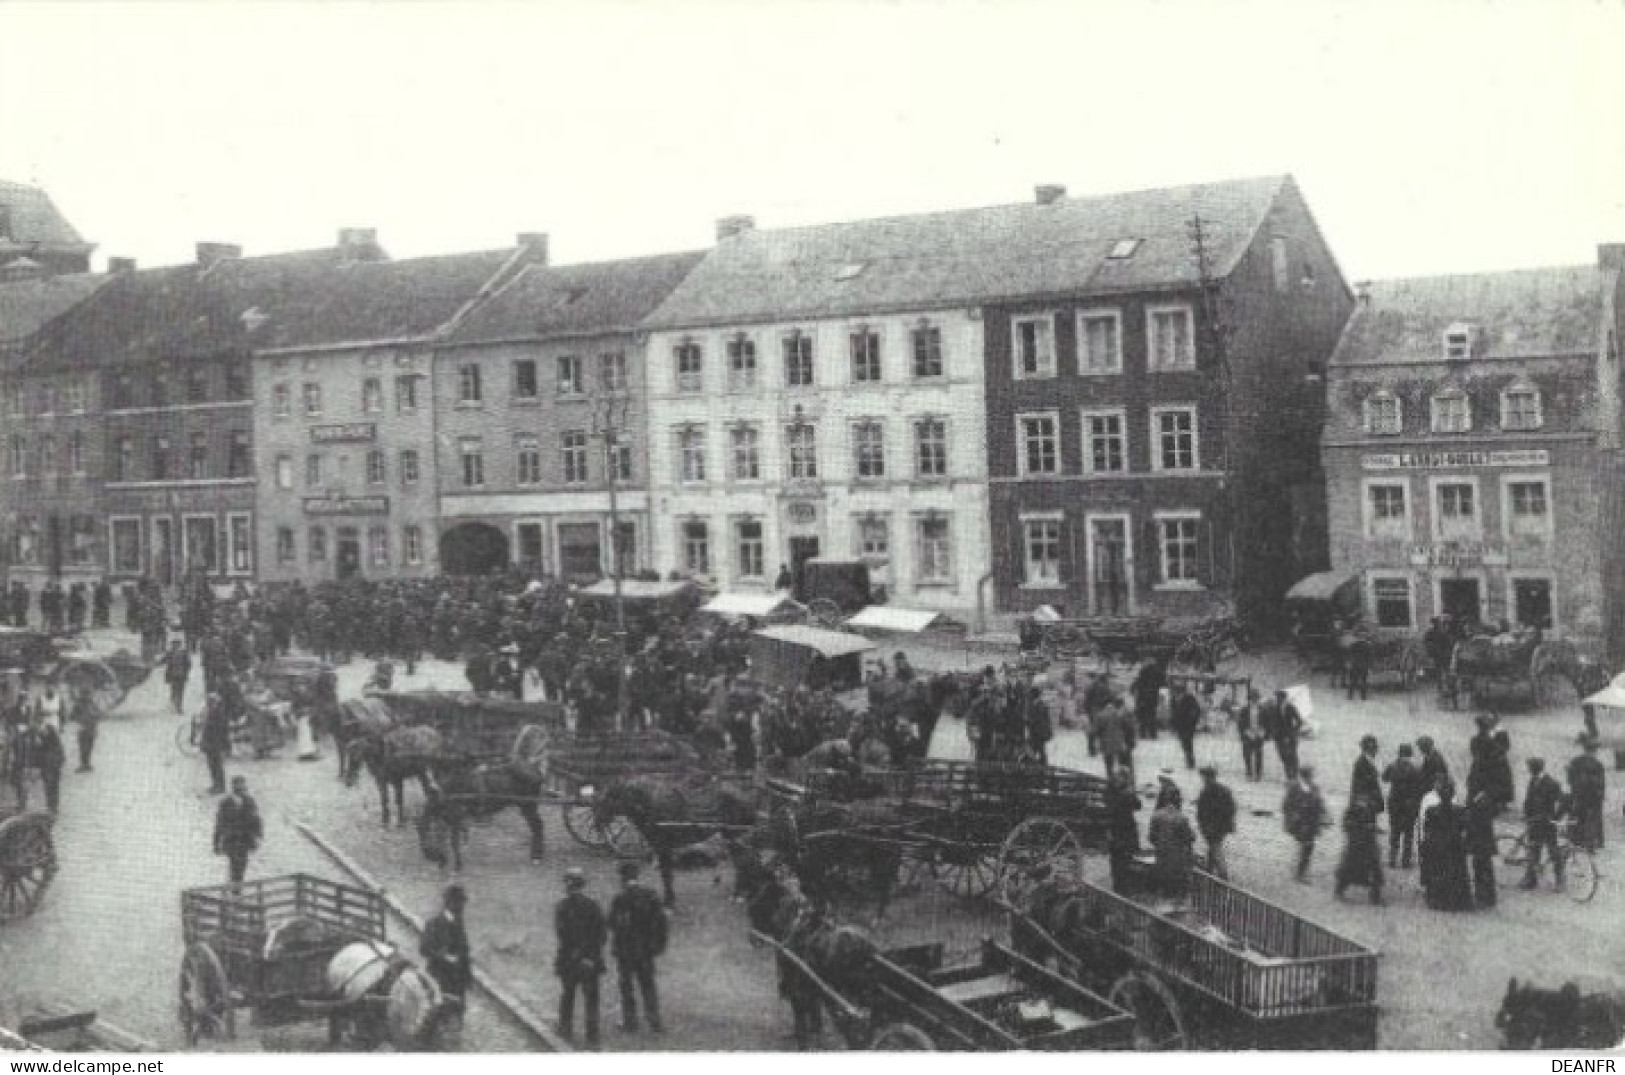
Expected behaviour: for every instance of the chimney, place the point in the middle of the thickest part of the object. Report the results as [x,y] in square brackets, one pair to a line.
[358,244]
[534,243]
[1362,291]
[730,226]
[1611,256]
[210,253]
[1049,193]
[120,265]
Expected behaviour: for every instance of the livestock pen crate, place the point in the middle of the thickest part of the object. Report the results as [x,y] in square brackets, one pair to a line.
[1264,977]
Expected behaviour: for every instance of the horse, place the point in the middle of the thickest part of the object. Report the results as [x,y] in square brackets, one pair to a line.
[456,793]
[839,848]
[671,811]
[1565,1018]
[393,757]
[378,996]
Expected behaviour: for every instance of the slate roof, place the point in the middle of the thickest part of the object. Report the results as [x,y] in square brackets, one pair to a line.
[27,305]
[36,219]
[307,299]
[573,300]
[970,256]
[1524,313]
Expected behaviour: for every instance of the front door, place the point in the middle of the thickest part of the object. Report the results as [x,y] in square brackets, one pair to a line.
[1532,602]
[581,552]
[163,551]
[802,549]
[1459,599]
[1108,558]
[348,548]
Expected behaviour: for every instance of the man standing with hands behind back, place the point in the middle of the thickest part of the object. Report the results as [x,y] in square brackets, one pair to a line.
[578,925]
[638,923]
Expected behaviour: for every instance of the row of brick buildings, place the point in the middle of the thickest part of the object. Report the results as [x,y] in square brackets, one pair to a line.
[1150,402]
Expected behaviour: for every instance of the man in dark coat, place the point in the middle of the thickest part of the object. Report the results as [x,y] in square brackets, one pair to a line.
[1405,793]
[1481,851]
[1040,728]
[1123,832]
[1362,860]
[1095,700]
[177,668]
[49,757]
[215,741]
[1216,820]
[1357,670]
[1147,690]
[1249,719]
[1491,766]
[1543,807]
[580,929]
[1445,883]
[101,603]
[1434,767]
[88,715]
[638,927]
[238,828]
[1366,782]
[1288,727]
[1302,811]
[1588,785]
[1186,717]
[445,946]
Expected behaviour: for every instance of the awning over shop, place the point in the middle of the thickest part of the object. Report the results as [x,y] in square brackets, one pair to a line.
[759,605]
[902,620]
[826,643]
[1322,586]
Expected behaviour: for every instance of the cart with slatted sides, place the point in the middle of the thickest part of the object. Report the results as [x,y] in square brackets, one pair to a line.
[1219,969]
[975,829]
[28,861]
[575,769]
[266,945]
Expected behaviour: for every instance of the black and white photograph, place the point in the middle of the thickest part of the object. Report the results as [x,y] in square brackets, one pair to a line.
[722,527]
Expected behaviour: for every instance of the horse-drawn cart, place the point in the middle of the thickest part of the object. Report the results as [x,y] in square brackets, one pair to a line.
[576,770]
[908,999]
[1328,630]
[1203,643]
[1224,969]
[27,852]
[1523,659]
[266,945]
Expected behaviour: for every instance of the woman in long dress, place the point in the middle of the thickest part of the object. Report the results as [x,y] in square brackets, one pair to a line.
[1445,881]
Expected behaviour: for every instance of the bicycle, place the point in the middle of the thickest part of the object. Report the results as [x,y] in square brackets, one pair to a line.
[246,740]
[1579,864]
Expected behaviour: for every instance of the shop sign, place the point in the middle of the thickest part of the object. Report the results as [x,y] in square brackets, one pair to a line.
[1453,554]
[346,505]
[802,513]
[1529,457]
[348,431]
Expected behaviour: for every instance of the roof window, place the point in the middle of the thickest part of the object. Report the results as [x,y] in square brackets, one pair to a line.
[1458,341]
[850,271]
[1123,248]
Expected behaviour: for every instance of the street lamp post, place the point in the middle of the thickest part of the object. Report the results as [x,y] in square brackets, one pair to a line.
[608,417]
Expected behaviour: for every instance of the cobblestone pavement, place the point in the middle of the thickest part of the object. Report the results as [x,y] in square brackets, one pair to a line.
[109,935]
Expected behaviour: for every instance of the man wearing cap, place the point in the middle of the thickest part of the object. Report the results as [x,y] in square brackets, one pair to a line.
[1588,783]
[177,668]
[1216,819]
[215,741]
[238,829]
[1542,808]
[445,945]
[1288,727]
[638,927]
[1405,791]
[1303,810]
[1185,718]
[578,925]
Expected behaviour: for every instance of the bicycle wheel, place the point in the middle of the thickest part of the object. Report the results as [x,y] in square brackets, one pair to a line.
[186,734]
[1581,875]
[1512,858]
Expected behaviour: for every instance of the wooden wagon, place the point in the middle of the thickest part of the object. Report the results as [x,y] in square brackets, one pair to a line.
[28,861]
[1524,661]
[1327,626]
[472,727]
[265,945]
[1224,969]
[909,999]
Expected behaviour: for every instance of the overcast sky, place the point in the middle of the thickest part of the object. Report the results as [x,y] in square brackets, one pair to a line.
[1428,136]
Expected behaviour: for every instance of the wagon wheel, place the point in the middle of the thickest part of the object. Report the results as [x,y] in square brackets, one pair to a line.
[967,869]
[1039,849]
[530,749]
[27,863]
[902,1038]
[1158,1026]
[581,822]
[623,838]
[824,613]
[104,687]
[205,996]
[186,734]
[1411,661]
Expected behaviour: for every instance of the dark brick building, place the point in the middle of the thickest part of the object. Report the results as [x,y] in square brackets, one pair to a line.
[1154,403]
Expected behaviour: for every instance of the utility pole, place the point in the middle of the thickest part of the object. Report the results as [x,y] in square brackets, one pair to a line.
[609,409]
[1217,330]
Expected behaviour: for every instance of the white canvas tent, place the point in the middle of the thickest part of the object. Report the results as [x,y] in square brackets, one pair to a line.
[1611,696]
[901,620]
[774,607]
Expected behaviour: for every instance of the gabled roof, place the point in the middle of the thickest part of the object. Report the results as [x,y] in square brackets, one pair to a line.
[36,219]
[27,305]
[305,300]
[354,302]
[575,300]
[1524,313]
[970,256]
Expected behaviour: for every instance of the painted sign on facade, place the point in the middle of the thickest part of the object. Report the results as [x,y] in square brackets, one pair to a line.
[1458,554]
[346,505]
[349,431]
[1530,457]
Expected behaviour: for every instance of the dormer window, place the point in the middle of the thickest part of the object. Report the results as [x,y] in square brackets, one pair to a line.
[1452,412]
[1458,342]
[1123,249]
[1520,406]
[1384,414]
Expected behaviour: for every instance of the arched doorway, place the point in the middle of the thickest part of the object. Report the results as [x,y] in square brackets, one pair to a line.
[473,549]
